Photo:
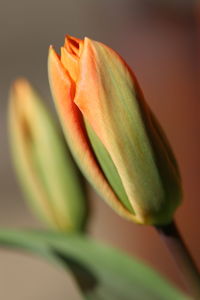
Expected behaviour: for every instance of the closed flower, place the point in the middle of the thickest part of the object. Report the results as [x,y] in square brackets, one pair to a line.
[47,173]
[112,133]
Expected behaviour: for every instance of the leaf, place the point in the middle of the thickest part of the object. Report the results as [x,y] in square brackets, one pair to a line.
[102,272]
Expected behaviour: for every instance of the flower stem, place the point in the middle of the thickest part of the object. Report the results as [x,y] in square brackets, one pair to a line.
[187,268]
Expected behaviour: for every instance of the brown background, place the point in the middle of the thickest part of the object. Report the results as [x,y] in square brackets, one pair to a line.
[159,40]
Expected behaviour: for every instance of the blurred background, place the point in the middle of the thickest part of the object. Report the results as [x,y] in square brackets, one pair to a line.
[160,40]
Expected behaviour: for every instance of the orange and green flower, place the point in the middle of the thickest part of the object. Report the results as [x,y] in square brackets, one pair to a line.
[112,133]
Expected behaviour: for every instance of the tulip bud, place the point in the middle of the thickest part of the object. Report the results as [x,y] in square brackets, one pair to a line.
[44,165]
[112,133]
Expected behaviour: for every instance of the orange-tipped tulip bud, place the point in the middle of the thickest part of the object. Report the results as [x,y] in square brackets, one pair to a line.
[112,133]
[44,165]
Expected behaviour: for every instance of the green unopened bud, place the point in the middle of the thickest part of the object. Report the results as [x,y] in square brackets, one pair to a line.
[47,173]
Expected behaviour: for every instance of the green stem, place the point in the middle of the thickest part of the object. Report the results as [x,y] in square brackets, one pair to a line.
[187,268]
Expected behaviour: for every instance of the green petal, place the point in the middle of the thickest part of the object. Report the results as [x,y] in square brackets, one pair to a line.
[108,167]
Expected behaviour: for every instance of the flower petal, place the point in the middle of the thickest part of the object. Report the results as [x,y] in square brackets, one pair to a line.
[70,62]
[108,167]
[106,94]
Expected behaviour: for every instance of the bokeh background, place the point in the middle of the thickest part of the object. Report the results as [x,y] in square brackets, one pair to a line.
[160,41]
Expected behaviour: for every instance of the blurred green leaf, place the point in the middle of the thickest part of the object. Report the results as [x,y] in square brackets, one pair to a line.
[102,273]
